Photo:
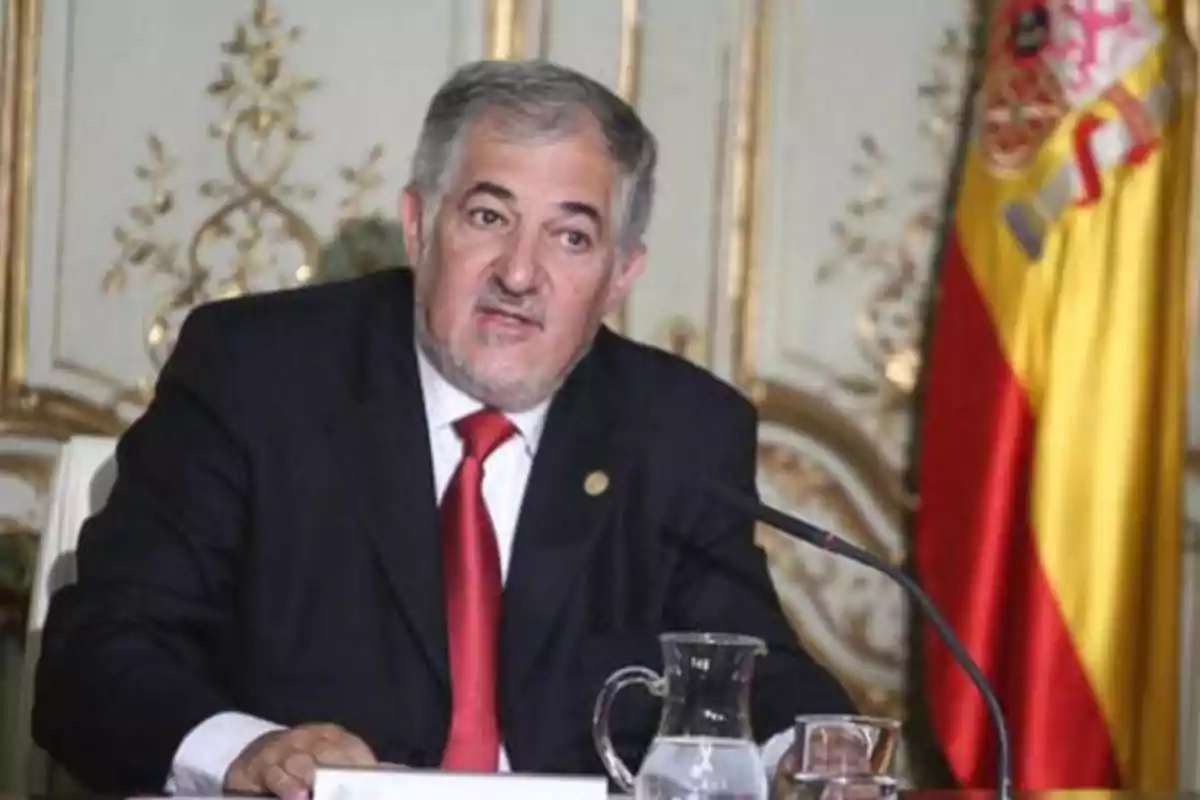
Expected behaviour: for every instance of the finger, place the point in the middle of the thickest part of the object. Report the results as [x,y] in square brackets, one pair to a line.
[328,754]
[301,766]
[274,751]
[283,785]
[329,731]
[356,751]
[344,754]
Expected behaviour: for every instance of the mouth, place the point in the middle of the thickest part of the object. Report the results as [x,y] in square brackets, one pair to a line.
[506,321]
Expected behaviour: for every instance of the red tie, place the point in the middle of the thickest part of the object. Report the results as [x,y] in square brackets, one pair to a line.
[472,575]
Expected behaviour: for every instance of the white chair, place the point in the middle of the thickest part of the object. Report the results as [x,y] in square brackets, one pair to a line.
[83,478]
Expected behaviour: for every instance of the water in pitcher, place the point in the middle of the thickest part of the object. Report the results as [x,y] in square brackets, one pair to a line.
[701,768]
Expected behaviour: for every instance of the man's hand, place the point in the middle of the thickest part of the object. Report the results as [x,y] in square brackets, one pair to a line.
[282,762]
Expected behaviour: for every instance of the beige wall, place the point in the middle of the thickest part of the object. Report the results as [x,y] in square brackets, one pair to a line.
[779,120]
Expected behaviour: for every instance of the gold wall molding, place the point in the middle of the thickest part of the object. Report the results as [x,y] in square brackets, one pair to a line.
[22,23]
[24,409]
[629,65]
[504,29]
[10,81]
[803,481]
[629,60]
[819,420]
[629,54]
[749,142]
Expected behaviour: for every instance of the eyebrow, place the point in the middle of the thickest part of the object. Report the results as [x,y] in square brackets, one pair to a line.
[494,189]
[583,209]
[567,206]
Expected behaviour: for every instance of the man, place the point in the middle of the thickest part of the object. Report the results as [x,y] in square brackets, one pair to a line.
[303,556]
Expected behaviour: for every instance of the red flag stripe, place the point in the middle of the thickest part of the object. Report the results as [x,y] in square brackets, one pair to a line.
[974,551]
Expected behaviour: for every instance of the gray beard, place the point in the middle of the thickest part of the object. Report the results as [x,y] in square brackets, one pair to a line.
[512,398]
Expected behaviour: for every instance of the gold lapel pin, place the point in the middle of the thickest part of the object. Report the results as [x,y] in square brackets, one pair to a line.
[596,483]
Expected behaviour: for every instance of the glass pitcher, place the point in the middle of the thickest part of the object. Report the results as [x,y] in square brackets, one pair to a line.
[704,748]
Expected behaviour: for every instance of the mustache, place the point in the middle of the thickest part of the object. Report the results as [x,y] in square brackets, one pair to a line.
[528,308]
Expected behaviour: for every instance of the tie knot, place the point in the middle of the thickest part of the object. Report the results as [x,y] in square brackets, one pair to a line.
[483,431]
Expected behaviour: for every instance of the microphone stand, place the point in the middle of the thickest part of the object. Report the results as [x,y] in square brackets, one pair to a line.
[826,541]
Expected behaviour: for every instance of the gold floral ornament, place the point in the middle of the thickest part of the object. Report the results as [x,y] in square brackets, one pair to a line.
[366,239]
[255,240]
[888,324]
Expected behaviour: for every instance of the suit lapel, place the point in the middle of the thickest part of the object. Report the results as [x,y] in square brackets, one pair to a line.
[387,469]
[577,474]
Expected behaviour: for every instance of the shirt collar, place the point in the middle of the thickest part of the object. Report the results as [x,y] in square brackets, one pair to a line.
[445,403]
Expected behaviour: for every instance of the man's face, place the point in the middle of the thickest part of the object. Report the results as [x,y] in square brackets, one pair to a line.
[521,263]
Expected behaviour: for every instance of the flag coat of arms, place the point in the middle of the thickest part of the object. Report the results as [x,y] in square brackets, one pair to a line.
[1048,457]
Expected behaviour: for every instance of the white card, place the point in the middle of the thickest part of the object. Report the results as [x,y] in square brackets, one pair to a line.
[388,783]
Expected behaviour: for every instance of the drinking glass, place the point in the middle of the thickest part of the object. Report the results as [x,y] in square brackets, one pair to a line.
[839,757]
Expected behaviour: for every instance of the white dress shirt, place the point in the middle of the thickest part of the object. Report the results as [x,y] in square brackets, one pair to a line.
[207,752]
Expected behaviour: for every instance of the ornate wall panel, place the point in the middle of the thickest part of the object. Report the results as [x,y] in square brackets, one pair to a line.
[821,291]
[215,157]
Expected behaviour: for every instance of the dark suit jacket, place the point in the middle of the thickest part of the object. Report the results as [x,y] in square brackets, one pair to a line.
[270,546]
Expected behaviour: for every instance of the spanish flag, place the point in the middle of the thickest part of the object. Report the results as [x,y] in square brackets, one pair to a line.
[1049,453]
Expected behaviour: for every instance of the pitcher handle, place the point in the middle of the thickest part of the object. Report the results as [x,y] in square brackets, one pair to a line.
[626,676]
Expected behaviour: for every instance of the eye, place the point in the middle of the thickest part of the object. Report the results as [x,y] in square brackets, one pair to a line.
[484,217]
[576,241]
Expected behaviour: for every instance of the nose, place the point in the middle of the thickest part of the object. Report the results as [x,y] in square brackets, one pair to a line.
[517,271]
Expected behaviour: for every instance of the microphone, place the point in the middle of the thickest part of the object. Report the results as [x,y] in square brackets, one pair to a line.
[797,528]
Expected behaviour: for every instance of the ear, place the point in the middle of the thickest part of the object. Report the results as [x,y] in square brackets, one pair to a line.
[627,272]
[411,211]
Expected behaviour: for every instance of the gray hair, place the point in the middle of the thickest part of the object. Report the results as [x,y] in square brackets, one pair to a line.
[536,99]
